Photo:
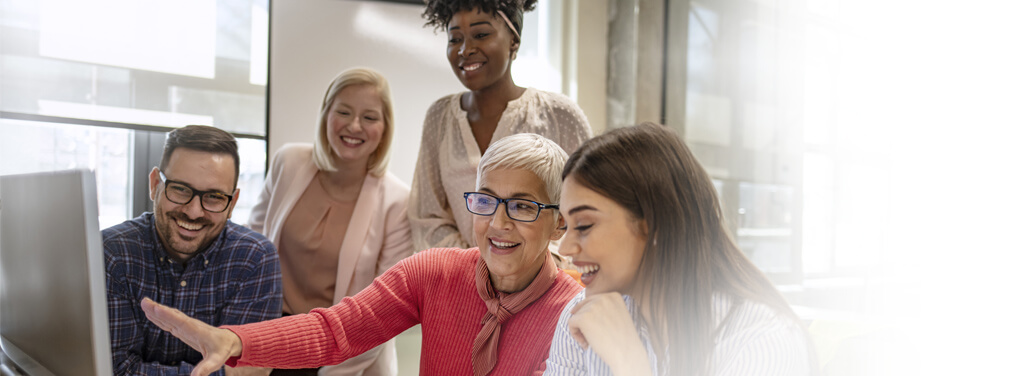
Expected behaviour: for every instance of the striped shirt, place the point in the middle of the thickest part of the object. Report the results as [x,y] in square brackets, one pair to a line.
[236,280]
[752,340]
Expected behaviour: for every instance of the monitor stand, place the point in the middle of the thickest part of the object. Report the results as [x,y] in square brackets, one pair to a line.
[7,367]
[15,362]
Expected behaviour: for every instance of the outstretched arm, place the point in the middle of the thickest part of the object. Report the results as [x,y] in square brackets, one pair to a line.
[386,308]
[216,345]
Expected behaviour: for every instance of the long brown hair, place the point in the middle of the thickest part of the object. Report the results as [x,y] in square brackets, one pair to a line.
[689,253]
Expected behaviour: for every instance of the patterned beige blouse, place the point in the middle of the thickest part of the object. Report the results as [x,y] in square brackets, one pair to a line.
[449,155]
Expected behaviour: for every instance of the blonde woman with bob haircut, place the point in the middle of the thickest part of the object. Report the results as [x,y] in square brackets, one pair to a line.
[336,215]
[484,311]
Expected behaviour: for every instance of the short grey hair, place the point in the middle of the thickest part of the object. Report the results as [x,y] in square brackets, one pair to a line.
[531,152]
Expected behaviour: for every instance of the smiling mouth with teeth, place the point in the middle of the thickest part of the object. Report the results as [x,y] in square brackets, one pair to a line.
[189,226]
[503,245]
[587,269]
[472,67]
[352,140]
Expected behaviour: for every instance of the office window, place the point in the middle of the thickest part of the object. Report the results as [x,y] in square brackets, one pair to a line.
[36,146]
[774,109]
[97,84]
[250,176]
[538,62]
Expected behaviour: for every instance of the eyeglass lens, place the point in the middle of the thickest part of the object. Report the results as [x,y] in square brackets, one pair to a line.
[520,210]
[211,201]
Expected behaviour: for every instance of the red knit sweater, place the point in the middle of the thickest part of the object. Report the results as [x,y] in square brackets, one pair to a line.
[435,288]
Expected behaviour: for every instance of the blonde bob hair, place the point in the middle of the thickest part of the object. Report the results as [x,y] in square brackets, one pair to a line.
[322,153]
[530,152]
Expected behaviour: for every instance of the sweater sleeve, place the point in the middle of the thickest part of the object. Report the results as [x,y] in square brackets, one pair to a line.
[326,336]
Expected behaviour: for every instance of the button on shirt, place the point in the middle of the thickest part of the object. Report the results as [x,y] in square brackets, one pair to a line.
[236,280]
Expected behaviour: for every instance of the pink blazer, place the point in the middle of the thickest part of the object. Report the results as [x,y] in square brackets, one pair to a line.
[377,238]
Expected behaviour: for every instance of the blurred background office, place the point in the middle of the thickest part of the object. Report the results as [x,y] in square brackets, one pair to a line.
[866,152]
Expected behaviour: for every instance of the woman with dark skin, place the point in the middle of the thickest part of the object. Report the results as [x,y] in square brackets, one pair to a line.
[483,39]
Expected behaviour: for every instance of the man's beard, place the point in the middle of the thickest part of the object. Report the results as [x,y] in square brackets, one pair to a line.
[174,242]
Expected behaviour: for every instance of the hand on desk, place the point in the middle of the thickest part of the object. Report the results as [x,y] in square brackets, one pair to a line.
[216,345]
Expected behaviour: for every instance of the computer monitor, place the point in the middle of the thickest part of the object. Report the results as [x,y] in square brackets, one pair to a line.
[53,305]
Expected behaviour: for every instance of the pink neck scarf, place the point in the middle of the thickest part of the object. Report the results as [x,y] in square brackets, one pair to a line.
[501,307]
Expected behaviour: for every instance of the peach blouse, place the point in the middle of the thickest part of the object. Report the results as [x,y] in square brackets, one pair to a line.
[310,240]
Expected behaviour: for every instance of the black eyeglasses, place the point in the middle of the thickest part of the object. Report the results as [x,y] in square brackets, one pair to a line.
[516,208]
[181,194]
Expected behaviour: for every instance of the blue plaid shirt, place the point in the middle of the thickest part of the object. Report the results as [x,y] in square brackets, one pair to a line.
[237,280]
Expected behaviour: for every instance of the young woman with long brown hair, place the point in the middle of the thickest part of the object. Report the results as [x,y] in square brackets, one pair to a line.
[667,289]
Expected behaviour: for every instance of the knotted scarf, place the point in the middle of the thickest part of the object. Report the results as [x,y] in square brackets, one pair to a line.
[501,307]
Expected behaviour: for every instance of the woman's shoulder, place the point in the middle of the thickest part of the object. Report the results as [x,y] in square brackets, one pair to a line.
[441,114]
[753,335]
[293,151]
[393,183]
[287,158]
[563,294]
[562,111]
[547,95]
[553,99]
[573,301]
[295,147]
[446,258]
[395,191]
[438,267]
[566,285]
[445,103]
[744,318]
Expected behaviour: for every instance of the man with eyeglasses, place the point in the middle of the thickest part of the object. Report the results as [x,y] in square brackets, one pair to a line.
[187,254]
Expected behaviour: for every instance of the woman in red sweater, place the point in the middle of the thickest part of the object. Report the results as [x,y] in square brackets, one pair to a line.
[486,310]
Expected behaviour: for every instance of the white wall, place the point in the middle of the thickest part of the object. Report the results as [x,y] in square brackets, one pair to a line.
[586,63]
[311,41]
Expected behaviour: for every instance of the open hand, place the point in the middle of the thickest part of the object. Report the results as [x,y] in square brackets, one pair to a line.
[216,345]
[602,323]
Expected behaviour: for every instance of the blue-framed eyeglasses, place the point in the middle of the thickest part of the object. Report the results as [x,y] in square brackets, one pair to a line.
[516,208]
